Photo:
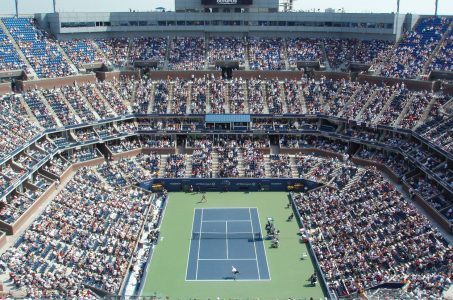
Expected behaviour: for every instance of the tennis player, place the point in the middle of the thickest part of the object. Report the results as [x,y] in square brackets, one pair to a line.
[234,271]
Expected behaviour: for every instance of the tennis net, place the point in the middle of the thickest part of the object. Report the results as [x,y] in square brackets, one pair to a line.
[226,235]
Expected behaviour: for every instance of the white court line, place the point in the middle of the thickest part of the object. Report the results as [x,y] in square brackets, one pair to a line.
[254,246]
[220,208]
[190,244]
[223,280]
[227,259]
[221,221]
[199,246]
[226,237]
[262,244]
[215,232]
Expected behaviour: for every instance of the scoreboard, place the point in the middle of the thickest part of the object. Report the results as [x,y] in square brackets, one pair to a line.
[226,2]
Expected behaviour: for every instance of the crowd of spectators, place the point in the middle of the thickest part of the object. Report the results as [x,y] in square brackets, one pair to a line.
[325,170]
[302,49]
[237,99]
[107,130]
[160,97]
[352,109]
[423,187]
[9,58]
[253,156]
[57,165]
[228,158]
[202,158]
[198,96]
[443,60]
[256,96]
[82,51]
[81,155]
[181,92]
[377,102]
[16,129]
[275,100]
[409,57]
[59,106]
[304,163]
[440,134]
[266,54]
[367,234]
[96,100]
[416,109]
[39,48]
[148,49]
[335,146]
[78,103]
[187,53]
[226,49]
[280,166]
[86,135]
[311,91]
[292,92]
[158,142]
[87,235]
[39,109]
[406,59]
[116,50]
[395,106]
[217,99]
[113,97]
[340,52]
[176,166]
[336,94]
[14,206]
[394,162]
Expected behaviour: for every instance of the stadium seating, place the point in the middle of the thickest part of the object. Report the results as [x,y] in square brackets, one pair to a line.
[131,127]
[413,51]
[40,50]
[266,54]
[78,240]
[9,58]
[226,49]
[115,50]
[187,54]
[361,242]
[82,51]
[148,49]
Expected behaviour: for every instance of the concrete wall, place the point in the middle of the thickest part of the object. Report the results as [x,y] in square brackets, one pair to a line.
[309,24]
[236,73]
[332,75]
[117,74]
[417,85]
[54,82]
[5,88]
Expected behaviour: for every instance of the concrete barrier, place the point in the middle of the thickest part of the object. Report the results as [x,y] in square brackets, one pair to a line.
[5,88]
[51,83]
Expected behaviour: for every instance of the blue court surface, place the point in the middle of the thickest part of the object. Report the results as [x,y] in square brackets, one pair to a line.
[226,237]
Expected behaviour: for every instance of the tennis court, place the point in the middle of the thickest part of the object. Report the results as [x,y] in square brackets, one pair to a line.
[226,237]
[288,273]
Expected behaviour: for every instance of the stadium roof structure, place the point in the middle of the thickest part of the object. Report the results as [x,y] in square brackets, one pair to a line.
[228,118]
